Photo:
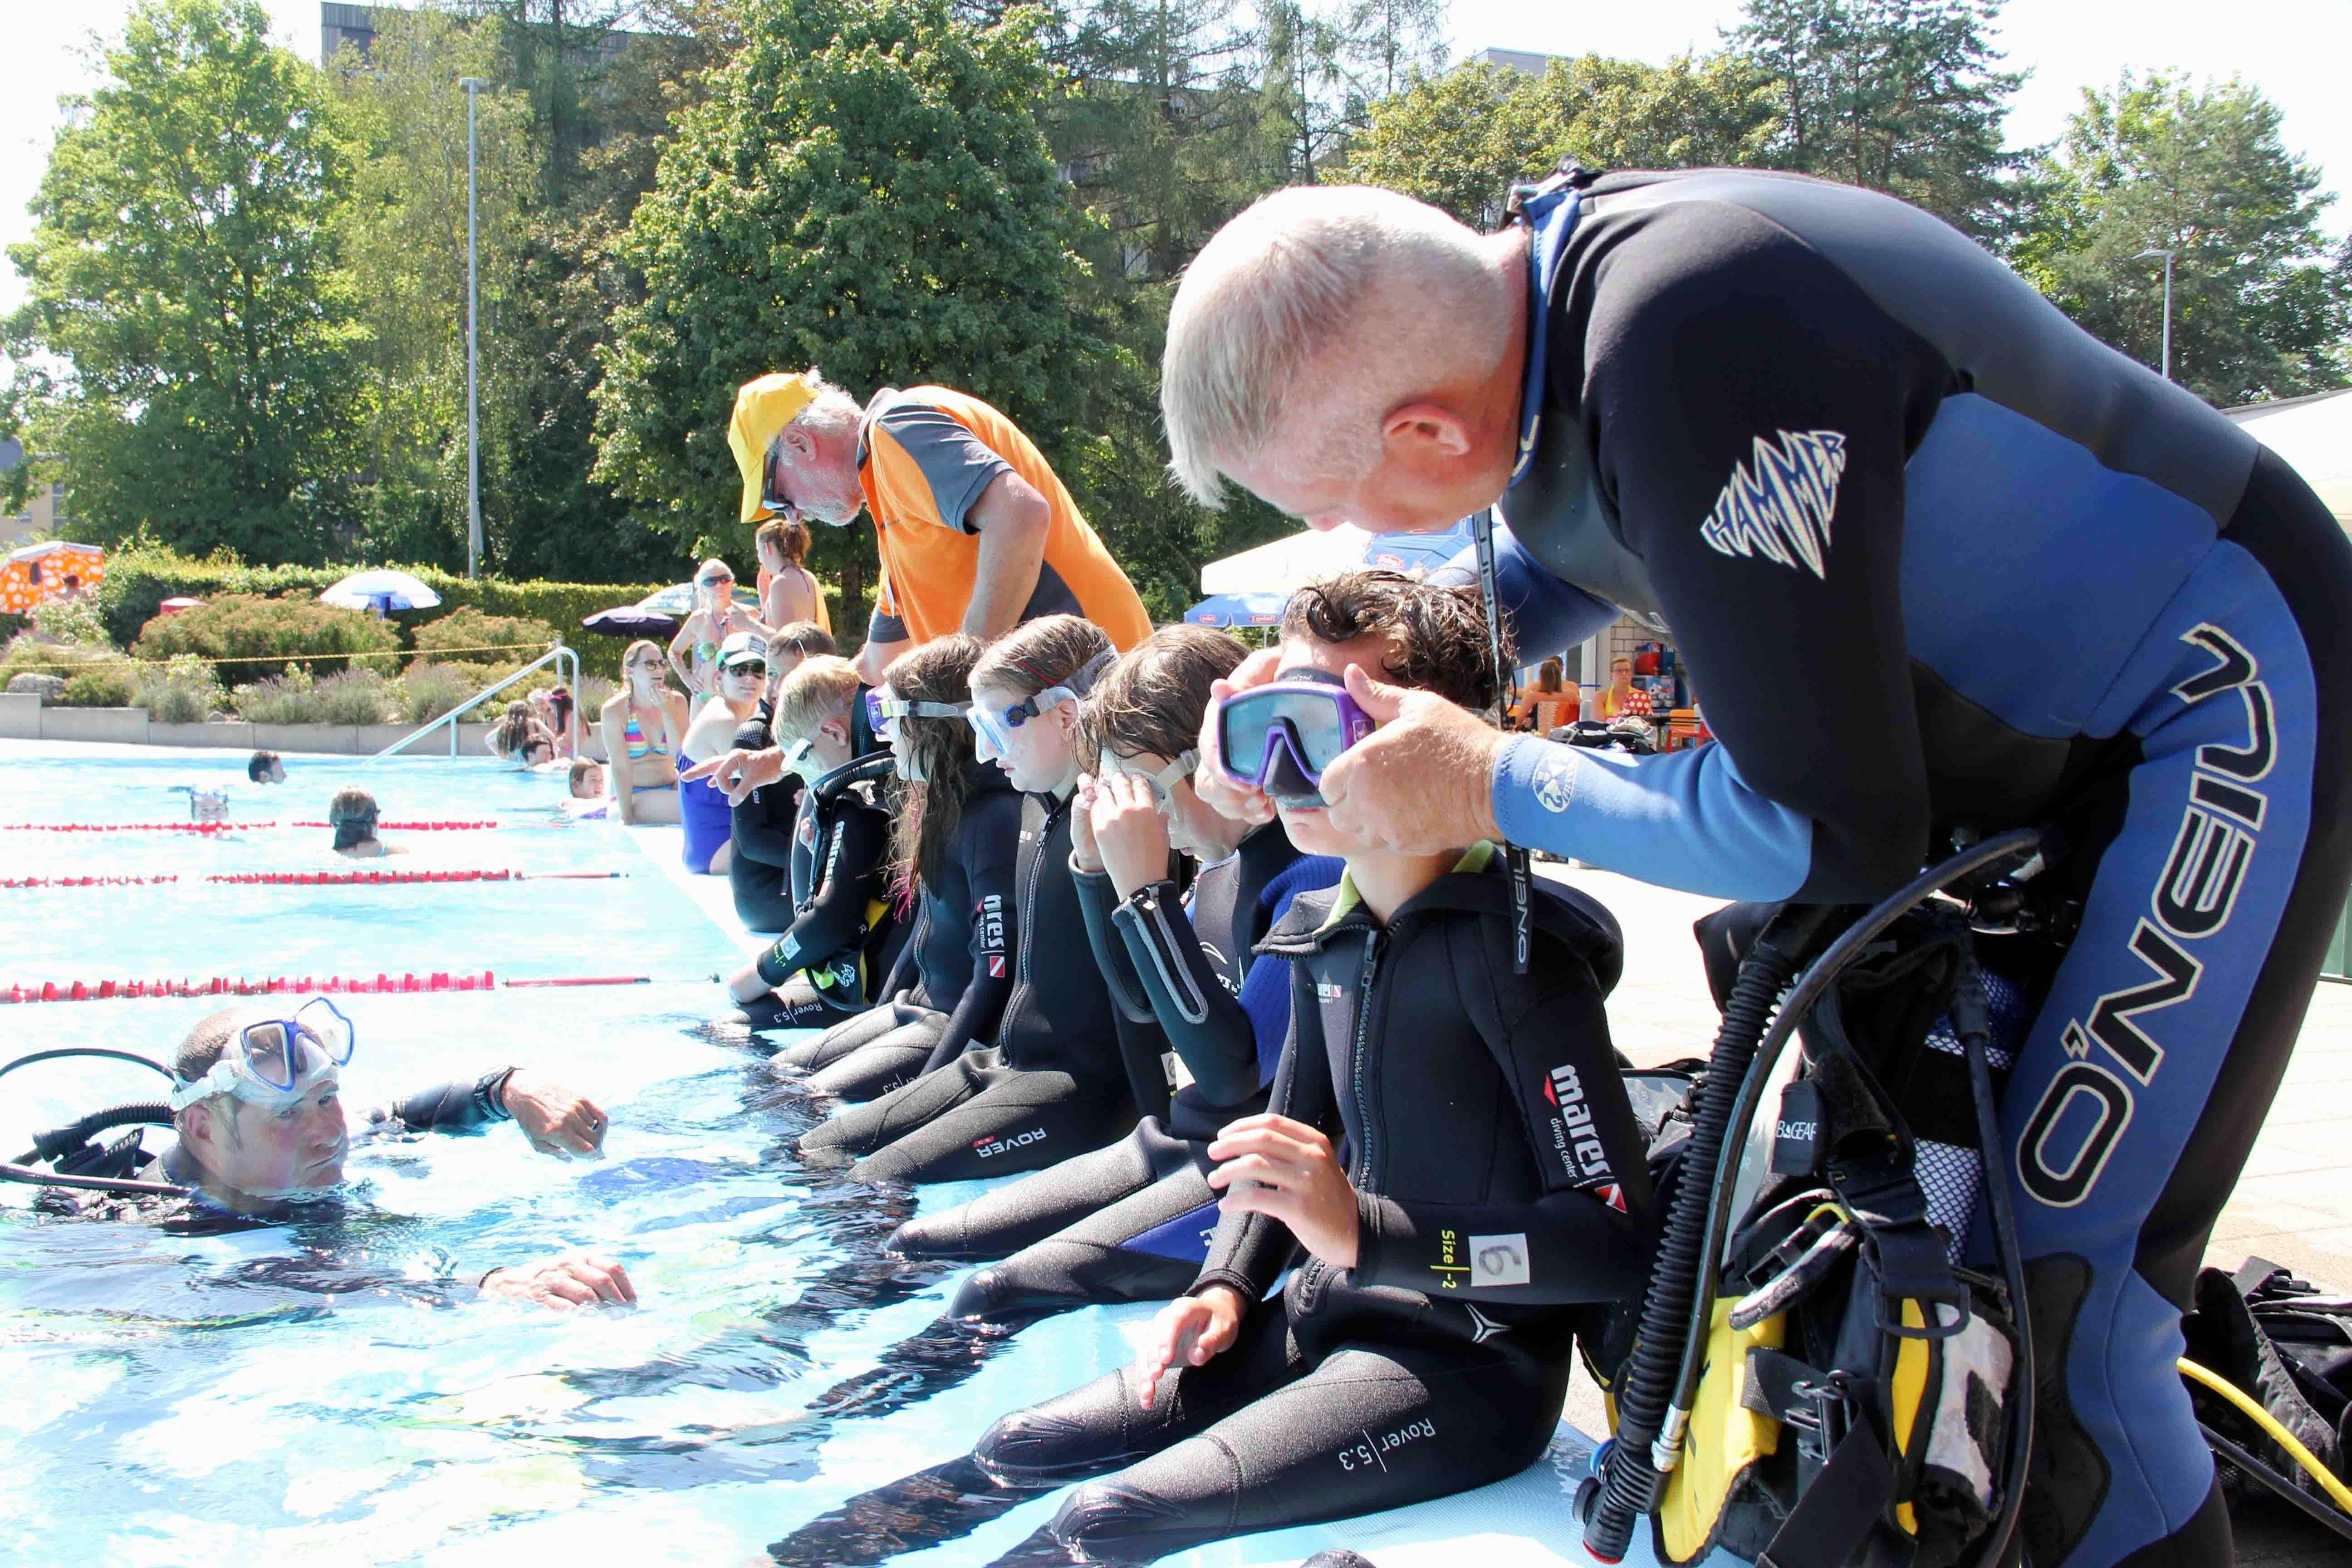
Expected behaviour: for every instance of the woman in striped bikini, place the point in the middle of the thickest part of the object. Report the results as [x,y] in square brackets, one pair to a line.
[642,723]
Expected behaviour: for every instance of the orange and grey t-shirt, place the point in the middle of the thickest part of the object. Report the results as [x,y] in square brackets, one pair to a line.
[925,455]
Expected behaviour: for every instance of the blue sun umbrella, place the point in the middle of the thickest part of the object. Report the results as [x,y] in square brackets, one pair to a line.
[1258,608]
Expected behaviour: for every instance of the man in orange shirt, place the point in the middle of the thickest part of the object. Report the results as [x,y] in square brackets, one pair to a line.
[975,531]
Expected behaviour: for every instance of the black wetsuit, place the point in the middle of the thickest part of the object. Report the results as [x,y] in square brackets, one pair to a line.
[761,873]
[1131,1223]
[842,920]
[1502,1199]
[955,975]
[1064,1074]
[1938,559]
[460,1105]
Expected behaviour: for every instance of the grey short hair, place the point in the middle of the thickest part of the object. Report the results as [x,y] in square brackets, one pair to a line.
[830,409]
[1298,275]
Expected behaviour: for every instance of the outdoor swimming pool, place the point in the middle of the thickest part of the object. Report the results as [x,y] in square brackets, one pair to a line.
[308,1392]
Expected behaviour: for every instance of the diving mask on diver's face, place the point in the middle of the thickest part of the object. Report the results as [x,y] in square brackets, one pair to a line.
[273,1061]
[1280,737]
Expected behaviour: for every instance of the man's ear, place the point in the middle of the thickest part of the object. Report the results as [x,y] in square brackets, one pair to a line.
[1426,430]
[799,445]
[203,1132]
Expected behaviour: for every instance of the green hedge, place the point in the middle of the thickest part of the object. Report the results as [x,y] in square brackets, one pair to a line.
[251,637]
[139,578]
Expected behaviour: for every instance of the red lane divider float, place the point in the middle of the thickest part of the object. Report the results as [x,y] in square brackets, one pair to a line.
[415,826]
[81,881]
[395,879]
[136,827]
[335,985]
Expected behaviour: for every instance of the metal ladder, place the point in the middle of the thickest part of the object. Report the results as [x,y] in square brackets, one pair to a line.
[557,656]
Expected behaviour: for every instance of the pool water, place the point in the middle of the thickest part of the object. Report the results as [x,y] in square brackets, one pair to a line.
[318,1391]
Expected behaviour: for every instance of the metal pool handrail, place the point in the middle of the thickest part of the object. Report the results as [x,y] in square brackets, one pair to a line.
[556,655]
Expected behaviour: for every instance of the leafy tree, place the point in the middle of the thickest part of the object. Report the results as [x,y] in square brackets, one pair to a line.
[2261,305]
[866,188]
[183,273]
[1462,139]
[1894,95]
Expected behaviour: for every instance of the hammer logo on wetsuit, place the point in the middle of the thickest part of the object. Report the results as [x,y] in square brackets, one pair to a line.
[1374,1450]
[1778,505]
[2211,853]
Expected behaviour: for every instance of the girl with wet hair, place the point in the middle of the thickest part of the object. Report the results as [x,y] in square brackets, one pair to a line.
[1067,1068]
[1129,1222]
[955,844]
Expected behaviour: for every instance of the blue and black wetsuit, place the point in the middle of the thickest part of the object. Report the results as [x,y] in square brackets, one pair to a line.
[763,871]
[1936,557]
[955,975]
[1504,1206]
[1062,1077]
[1131,1223]
[843,924]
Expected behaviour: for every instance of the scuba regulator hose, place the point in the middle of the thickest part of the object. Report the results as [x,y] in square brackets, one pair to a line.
[74,1135]
[1654,1408]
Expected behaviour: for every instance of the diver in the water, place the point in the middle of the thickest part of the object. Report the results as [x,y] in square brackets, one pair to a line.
[256,1107]
[956,839]
[1494,1193]
[1131,1222]
[1068,1069]
[842,926]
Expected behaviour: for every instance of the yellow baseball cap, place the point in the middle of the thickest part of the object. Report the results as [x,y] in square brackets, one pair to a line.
[762,407]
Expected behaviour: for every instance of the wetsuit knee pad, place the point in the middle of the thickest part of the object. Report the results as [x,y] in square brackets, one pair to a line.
[852,1033]
[1018,1122]
[874,1069]
[1084,1432]
[1060,1275]
[1001,1222]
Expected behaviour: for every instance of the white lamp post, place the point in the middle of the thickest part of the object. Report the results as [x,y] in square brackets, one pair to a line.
[2167,304]
[473,85]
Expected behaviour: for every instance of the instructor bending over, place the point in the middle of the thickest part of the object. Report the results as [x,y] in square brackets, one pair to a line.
[1936,557]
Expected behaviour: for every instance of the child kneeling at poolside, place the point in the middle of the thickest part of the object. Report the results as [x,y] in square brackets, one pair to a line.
[840,937]
[1494,1205]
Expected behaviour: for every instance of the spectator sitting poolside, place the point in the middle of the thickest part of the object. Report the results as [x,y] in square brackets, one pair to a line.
[266,767]
[352,816]
[643,722]
[742,664]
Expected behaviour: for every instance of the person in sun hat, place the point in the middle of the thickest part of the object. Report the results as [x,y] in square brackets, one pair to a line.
[976,533]
[257,1110]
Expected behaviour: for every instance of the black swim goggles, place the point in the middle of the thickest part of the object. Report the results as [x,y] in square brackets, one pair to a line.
[1280,737]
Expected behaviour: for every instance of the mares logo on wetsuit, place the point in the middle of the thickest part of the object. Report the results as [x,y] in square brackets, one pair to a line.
[1374,1450]
[2087,1105]
[989,1148]
[1574,1140]
[991,934]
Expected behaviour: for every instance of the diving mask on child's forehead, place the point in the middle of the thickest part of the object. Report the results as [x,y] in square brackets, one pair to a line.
[272,1061]
[1280,737]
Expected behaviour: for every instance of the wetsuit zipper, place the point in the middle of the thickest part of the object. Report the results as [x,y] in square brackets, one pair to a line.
[1357,1054]
[1025,927]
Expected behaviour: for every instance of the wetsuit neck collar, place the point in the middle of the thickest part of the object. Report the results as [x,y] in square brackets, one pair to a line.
[173,1165]
[1347,901]
[1549,211]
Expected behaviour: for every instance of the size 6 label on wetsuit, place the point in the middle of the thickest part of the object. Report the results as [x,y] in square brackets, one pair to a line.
[1499,1260]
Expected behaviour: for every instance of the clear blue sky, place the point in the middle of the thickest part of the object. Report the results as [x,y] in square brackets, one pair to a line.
[2295,51]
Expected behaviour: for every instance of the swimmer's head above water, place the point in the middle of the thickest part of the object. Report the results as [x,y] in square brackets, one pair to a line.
[265,767]
[259,1112]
